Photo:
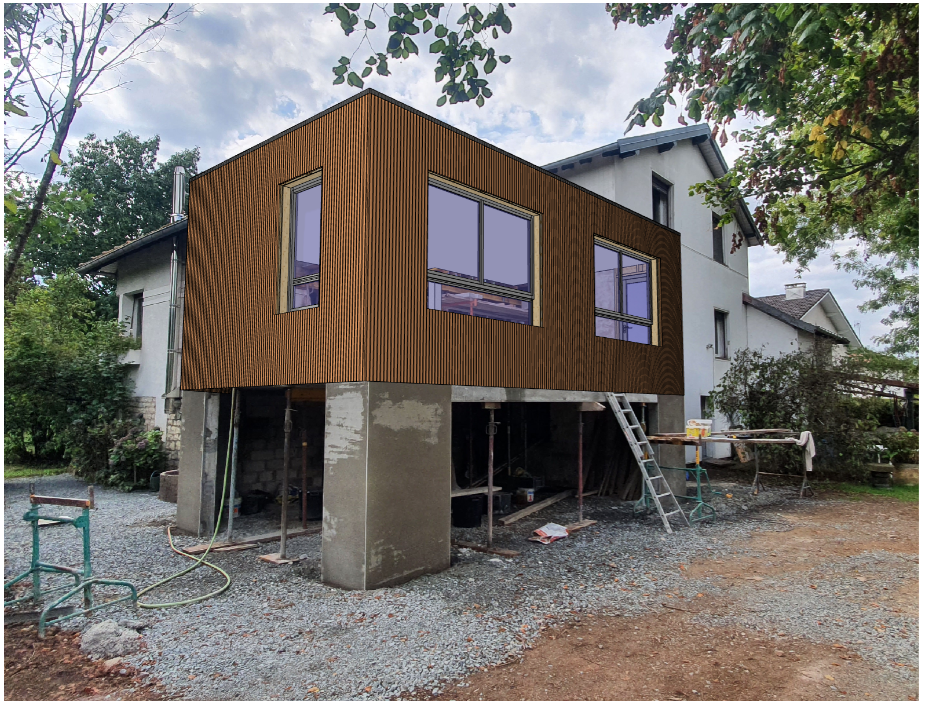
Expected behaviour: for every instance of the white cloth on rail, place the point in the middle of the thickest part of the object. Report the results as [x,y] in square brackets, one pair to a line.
[809,449]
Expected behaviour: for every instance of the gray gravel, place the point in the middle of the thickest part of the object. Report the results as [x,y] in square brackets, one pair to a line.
[279,633]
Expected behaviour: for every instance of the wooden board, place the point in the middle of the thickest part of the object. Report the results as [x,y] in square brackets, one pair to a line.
[506,552]
[239,547]
[474,490]
[578,526]
[61,501]
[276,560]
[533,508]
[265,538]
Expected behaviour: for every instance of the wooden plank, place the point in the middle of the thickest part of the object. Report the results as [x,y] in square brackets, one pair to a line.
[276,560]
[506,552]
[580,525]
[239,547]
[533,508]
[265,538]
[61,501]
[474,490]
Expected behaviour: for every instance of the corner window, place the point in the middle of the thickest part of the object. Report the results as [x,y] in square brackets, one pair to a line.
[719,252]
[301,244]
[622,294]
[660,192]
[480,256]
[720,334]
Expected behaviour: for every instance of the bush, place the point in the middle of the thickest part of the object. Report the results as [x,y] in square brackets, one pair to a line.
[902,446]
[64,378]
[134,458]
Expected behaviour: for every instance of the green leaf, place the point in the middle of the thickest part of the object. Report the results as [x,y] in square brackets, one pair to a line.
[78,103]
[437,46]
[441,100]
[13,108]
[494,33]
[371,61]
[427,25]
[811,30]
[352,6]
[505,24]
[367,71]
[7,74]
[486,92]
[504,59]
[341,14]
[400,8]
[463,20]
[410,46]
[441,31]
[10,205]
[354,80]
[383,68]
[49,40]
[339,70]
[490,65]
[695,110]
[343,60]
[369,24]
[16,61]
[108,18]
[53,156]
[480,101]
[657,121]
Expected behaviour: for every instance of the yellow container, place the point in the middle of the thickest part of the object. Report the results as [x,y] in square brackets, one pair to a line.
[699,428]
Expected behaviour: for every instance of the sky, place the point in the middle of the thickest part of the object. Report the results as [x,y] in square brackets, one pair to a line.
[230,76]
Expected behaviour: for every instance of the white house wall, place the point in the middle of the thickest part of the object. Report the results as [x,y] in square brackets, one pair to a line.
[148,271]
[770,335]
[705,284]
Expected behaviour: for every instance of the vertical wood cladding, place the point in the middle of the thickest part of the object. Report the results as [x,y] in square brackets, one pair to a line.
[373,322]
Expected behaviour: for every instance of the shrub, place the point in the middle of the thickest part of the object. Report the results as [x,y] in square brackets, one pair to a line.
[133,459]
[902,446]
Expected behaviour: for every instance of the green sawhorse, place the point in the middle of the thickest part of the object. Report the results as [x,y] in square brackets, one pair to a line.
[83,580]
[702,511]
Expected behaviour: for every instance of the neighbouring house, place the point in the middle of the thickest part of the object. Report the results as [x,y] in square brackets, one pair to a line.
[797,320]
[396,274]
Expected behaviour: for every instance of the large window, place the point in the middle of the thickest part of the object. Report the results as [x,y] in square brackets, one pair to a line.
[304,244]
[479,256]
[719,252]
[622,294]
[660,192]
[720,319]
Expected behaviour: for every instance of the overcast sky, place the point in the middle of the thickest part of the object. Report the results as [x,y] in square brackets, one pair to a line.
[230,76]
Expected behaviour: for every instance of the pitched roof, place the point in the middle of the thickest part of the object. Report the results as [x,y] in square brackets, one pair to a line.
[113,254]
[699,134]
[759,304]
[797,307]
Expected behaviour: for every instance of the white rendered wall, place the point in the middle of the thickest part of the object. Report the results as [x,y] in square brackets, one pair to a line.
[770,335]
[705,284]
[148,271]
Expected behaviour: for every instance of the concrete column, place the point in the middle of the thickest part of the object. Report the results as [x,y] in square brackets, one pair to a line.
[387,452]
[669,418]
[199,429]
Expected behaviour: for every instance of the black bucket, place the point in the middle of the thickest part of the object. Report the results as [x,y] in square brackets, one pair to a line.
[254,502]
[467,511]
[314,506]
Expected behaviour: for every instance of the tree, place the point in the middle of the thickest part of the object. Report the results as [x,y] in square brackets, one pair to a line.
[459,45]
[836,154]
[55,57]
[62,369]
[132,195]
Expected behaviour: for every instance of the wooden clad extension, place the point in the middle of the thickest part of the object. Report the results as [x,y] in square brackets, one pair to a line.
[376,156]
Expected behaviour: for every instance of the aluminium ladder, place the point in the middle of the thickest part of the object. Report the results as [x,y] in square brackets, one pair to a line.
[654,482]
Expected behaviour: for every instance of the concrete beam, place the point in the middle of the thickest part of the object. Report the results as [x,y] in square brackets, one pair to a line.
[483,394]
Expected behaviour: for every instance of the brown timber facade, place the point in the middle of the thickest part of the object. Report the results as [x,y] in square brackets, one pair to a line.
[376,158]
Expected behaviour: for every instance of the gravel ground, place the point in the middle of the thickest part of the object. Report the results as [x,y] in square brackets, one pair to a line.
[279,633]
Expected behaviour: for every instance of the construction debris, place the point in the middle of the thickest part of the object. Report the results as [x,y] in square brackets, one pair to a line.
[533,508]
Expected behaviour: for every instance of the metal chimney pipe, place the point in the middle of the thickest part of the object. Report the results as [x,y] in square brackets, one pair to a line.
[179,192]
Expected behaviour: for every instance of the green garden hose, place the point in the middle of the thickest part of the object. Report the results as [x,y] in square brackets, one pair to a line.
[202,559]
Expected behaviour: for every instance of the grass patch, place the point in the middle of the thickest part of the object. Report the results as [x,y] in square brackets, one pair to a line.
[904,494]
[19,471]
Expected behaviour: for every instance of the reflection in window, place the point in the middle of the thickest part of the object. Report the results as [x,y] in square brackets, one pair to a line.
[305,219]
[719,253]
[479,257]
[622,295]
[660,191]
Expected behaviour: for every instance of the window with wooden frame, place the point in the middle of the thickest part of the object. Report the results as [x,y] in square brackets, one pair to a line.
[482,255]
[300,252]
[624,296]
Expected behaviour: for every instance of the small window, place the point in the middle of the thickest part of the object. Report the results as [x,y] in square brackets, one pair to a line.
[479,256]
[622,294]
[660,191]
[705,407]
[305,245]
[719,320]
[135,318]
[719,252]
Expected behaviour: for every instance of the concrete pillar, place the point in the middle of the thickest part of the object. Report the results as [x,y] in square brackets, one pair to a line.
[199,432]
[387,455]
[669,418]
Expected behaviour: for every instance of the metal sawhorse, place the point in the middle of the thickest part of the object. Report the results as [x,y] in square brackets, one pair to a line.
[83,579]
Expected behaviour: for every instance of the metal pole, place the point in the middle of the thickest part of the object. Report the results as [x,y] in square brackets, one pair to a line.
[491,471]
[471,442]
[581,485]
[236,402]
[523,417]
[304,468]
[510,470]
[284,516]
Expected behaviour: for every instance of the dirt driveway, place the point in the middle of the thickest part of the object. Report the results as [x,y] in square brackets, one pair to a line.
[851,565]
